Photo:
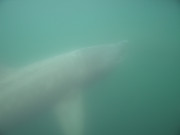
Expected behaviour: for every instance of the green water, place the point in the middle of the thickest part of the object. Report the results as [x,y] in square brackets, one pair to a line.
[142,97]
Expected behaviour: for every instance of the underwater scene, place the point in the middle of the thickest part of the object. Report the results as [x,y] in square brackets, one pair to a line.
[89,67]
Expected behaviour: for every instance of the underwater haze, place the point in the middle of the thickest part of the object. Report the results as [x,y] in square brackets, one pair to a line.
[142,96]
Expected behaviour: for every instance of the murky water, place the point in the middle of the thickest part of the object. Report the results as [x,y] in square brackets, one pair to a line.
[142,97]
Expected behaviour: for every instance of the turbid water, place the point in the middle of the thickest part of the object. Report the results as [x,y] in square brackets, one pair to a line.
[141,97]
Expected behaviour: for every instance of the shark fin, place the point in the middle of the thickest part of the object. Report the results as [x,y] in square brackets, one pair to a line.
[70,115]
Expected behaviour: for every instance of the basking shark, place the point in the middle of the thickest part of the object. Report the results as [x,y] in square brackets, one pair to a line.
[55,83]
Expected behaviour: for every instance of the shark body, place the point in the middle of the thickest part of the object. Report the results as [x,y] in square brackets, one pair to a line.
[55,83]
